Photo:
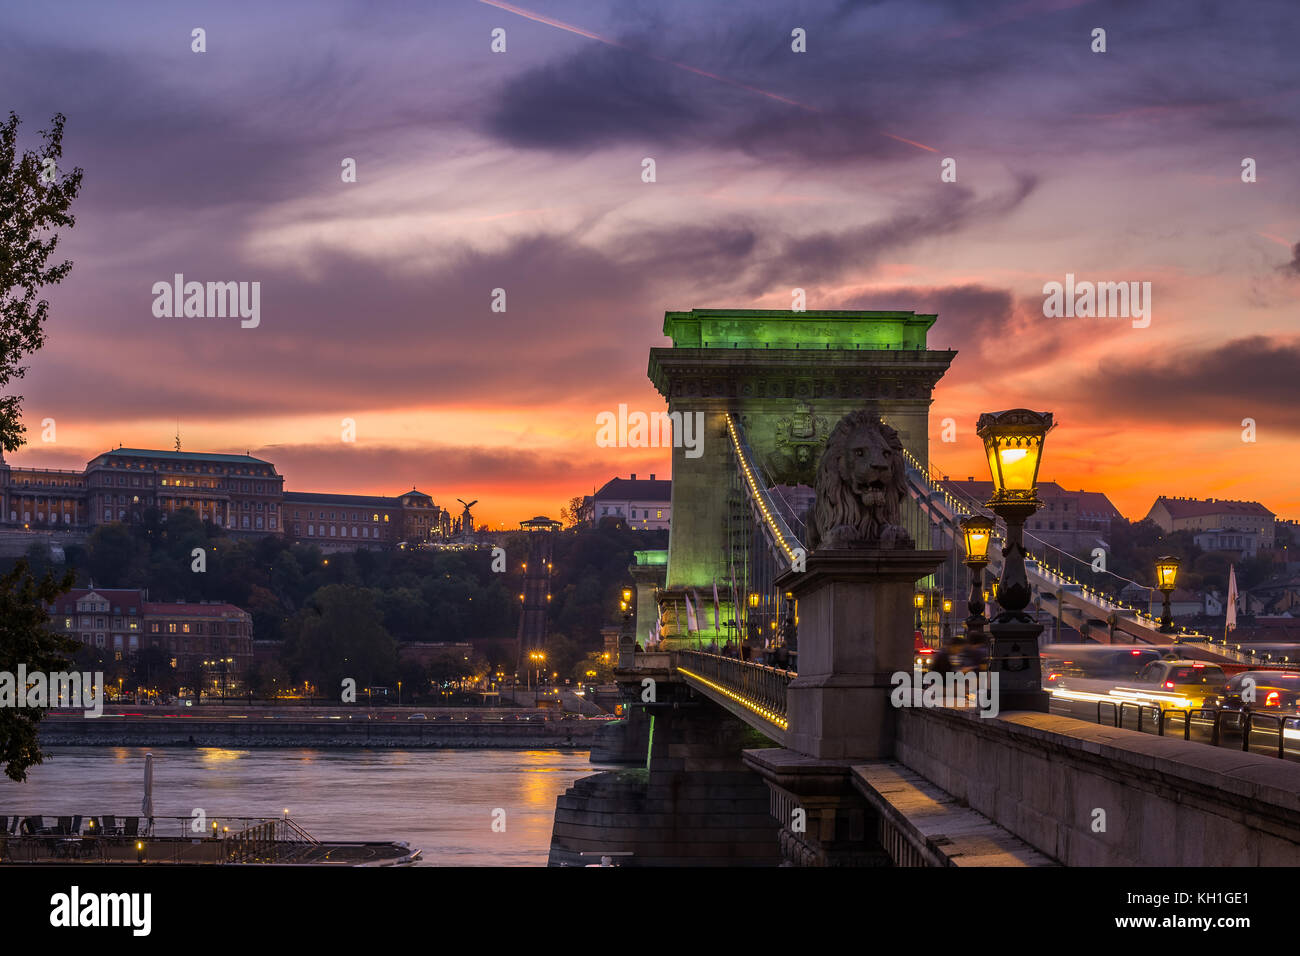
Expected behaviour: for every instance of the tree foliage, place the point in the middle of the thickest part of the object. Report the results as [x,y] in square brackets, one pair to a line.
[34,202]
[26,638]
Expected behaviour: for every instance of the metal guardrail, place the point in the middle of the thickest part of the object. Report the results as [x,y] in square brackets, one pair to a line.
[108,839]
[1212,726]
[757,687]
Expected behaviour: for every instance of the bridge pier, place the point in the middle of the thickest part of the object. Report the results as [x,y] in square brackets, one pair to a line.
[694,802]
[824,819]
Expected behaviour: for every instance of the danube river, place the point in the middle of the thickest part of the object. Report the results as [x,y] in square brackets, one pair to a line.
[441,801]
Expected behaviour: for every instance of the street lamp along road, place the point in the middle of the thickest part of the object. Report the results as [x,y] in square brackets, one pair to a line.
[977,531]
[1013,441]
[1166,576]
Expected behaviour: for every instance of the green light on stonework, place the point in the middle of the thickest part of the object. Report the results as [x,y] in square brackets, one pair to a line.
[651,557]
[650,747]
[777,329]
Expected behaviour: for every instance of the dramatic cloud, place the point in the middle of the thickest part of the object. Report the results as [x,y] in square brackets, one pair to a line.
[521,171]
[1292,267]
[1215,387]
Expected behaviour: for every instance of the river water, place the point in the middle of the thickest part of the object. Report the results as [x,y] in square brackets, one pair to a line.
[441,801]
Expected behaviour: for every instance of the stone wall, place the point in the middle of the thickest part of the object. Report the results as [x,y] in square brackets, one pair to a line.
[1166,802]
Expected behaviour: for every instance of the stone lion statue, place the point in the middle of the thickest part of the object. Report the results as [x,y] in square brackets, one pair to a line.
[860,487]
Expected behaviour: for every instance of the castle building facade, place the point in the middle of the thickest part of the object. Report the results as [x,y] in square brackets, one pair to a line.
[241,494]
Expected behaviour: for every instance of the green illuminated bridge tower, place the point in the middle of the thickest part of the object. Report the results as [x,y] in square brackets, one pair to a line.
[778,381]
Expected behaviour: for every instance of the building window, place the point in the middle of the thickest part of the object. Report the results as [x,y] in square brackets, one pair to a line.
[171,628]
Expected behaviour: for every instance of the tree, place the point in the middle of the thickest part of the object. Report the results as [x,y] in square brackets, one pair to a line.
[112,554]
[575,513]
[34,201]
[340,635]
[151,669]
[26,638]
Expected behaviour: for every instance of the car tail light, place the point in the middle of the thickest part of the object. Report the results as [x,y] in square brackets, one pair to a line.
[1273,699]
[1169,685]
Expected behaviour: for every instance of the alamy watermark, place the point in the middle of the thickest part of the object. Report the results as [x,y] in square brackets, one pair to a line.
[62,689]
[651,430]
[932,689]
[213,300]
[1102,300]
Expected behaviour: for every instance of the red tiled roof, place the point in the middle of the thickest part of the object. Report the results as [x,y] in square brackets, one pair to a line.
[1194,507]
[1090,502]
[199,610]
[640,489]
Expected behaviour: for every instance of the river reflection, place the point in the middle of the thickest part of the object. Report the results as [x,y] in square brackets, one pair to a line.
[441,801]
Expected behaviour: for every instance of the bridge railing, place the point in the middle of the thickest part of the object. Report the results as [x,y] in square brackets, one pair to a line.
[1273,735]
[759,688]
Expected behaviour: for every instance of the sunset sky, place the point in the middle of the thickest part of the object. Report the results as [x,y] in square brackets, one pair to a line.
[775,170]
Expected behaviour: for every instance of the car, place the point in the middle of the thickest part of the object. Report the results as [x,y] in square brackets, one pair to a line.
[418,717]
[1097,662]
[1273,692]
[1180,684]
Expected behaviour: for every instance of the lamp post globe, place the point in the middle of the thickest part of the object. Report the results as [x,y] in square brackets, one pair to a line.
[1013,443]
[1166,580]
[977,532]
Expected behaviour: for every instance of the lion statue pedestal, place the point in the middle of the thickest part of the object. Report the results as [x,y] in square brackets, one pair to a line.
[855,597]
[855,633]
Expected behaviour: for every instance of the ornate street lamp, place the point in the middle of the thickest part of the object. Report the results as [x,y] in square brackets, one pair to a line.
[918,602]
[1013,441]
[977,530]
[1166,575]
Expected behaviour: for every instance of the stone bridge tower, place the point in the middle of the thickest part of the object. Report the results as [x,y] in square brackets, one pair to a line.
[789,376]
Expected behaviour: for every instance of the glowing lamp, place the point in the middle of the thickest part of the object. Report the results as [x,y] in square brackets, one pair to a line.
[977,530]
[1166,572]
[627,595]
[1013,441]
[918,601]
[753,599]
